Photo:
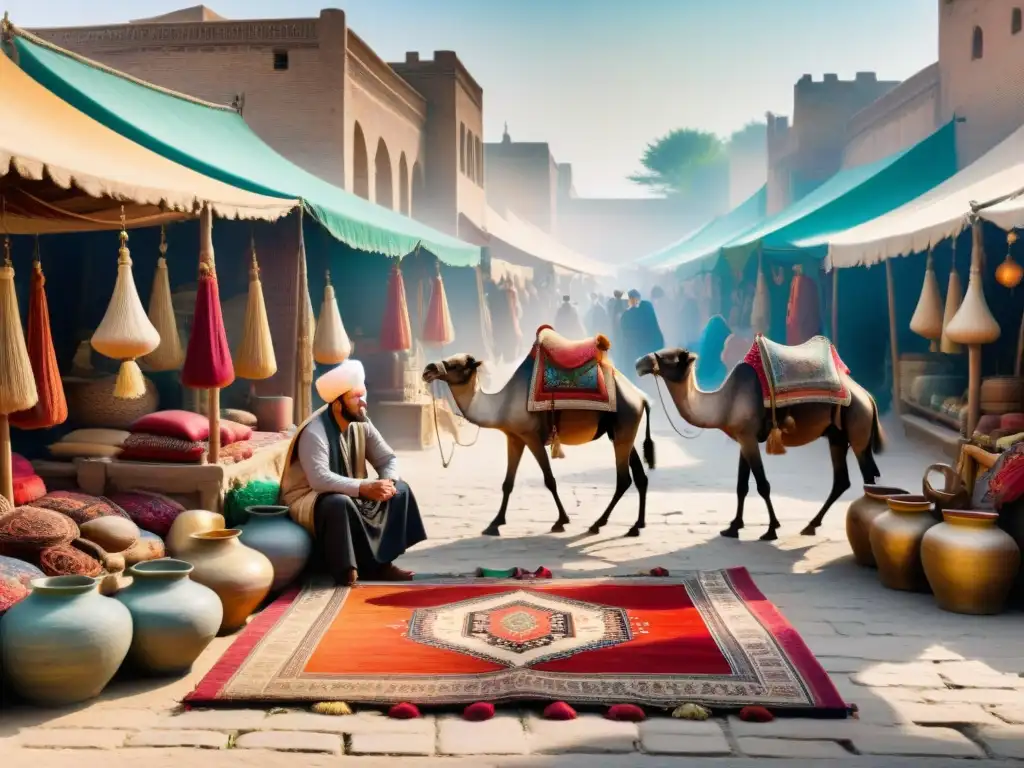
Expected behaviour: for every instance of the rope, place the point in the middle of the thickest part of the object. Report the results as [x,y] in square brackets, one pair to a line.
[445,463]
[657,386]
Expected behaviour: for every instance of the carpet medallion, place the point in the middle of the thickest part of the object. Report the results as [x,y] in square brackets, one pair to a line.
[708,637]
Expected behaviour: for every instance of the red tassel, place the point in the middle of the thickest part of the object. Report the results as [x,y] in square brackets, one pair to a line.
[659,571]
[437,327]
[208,359]
[404,711]
[756,715]
[559,710]
[52,408]
[478,711]
[542,573]
[395,330]
[628,713]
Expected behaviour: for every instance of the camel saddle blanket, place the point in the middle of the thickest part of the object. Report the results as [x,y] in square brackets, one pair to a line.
[569,375]
[806,373]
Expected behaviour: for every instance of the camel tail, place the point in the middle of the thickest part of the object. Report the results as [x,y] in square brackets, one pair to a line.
[877,434]
[648,442]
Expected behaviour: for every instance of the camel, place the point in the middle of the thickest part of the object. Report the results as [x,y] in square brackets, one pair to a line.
[737,408]
[507,410]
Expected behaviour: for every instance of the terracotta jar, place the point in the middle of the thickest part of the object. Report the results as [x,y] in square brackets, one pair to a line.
[859,517]
[239,575]
[896,542]
[179,538]
[286,543]
[971,564]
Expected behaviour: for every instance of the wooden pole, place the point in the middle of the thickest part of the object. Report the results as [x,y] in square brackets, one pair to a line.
[973,388]
[1020,349]
[835,306]
[6,460]
[214,404]
[894,350]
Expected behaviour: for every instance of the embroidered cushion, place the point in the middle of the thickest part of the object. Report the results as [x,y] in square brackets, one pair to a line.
[233,432]
[28,489]
[150,511]
[113,437]
[236,452]
[11,592]
[63,450]
[27,530]
[18,570]
[21,466]
[66,560]
[80,507]
[169,450]
[183,425]
[239,417]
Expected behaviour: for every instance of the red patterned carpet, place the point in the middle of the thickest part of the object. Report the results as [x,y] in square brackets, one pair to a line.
[708,637]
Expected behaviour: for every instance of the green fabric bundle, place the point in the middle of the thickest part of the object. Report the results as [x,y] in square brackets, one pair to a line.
[254,493]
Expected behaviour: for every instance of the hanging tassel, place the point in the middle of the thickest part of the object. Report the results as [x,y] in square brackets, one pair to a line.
[396,330]
[52,407]
[556,445]
[168,355]
[331,344]
[254,358]
[437,327]
[126,333]
[775,446]
[954,297]
[927,319]
[333,708]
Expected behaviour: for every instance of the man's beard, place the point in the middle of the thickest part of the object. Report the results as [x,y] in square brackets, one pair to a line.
[349,415]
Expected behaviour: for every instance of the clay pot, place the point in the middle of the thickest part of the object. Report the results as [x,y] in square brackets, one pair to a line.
[111,533]
[239,575]
[895,538]
[285,543]
[179,538]
[971,564]
[952,495]
[174,617]
[63,643]
[273,413]
[859,517]
[148,547]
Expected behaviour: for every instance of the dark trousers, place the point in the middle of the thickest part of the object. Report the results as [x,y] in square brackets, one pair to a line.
[348,535]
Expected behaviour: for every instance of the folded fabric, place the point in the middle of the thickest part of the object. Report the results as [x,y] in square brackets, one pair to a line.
[236,452]
[185,425]
[80,507]
[69,450]
[114,437]
[160,448]
[150,511]
[28,488]
[233,432]
[239,417]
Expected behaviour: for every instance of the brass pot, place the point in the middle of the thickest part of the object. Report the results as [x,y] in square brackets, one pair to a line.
[971,564]
[179,538]
[859,517]
[239,575]
[896,542]
[952,495]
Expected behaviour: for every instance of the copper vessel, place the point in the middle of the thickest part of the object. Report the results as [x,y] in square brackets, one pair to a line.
[971,564]
[896,542]
[859,517]
[952,495]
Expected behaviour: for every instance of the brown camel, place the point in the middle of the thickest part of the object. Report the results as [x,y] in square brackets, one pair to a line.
[737,408]
[507,410]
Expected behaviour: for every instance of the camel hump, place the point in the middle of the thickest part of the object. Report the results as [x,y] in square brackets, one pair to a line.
[603,342]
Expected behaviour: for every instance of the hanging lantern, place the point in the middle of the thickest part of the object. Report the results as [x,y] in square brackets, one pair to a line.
[52,407]
[331,344]
[126,333]
[254,358]
[954,295]
[927,319]
[17,386]
[973,323]
[1009,273]
[437,326]
[168,356]
[396,330]
[760,312]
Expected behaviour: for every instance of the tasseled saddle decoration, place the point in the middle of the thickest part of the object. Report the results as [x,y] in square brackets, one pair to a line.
[335,708]
[691,711]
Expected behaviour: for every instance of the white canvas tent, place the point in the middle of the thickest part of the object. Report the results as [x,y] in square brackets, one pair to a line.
[535,242]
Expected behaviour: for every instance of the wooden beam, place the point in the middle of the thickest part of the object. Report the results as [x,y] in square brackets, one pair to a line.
[894,348]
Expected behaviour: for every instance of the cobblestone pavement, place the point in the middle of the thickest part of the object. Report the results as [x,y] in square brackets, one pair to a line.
[928,683]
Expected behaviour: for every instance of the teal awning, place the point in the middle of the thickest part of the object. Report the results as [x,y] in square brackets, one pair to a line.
[711,236]
[218,142]
[851,197]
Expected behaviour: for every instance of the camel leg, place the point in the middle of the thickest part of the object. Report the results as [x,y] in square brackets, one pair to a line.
[640,478]
[742,486]
[537,449]
[837,447]
[622,483]
[515,453]
[764,489]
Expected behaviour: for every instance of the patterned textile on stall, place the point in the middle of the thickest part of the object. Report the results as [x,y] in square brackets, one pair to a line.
[570,374]
[807,373]
[80,507]
[706,637]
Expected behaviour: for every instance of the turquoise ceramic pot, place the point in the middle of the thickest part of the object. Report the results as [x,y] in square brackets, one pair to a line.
[63,643]
[285,543]
[174,617]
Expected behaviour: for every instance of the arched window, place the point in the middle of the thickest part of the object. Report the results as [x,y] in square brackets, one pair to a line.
[384,188]
[977,44]
[462,147]
[470,157]
[403,185]
[360,164]
[1015,21]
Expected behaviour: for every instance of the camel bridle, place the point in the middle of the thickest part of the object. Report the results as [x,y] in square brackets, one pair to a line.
[656,372]
[442,371]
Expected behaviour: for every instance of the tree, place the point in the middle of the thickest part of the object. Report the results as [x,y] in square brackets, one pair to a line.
[676,162]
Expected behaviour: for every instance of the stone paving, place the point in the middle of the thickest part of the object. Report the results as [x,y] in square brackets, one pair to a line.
[928,684]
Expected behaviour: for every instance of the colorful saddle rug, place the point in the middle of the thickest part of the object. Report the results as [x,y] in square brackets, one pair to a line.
[806,373]
[569,375]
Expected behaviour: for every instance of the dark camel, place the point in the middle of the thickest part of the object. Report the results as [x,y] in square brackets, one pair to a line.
[737,408]
[507,410]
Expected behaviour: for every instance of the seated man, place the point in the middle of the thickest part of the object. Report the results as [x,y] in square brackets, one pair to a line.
[359,526]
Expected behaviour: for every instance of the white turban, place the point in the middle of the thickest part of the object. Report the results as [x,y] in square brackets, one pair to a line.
[341,380]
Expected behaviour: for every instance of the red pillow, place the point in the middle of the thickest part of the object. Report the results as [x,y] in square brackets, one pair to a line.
[183,425]
[28,488]
[21,466]
[150,511]
[169,450]
[233,432]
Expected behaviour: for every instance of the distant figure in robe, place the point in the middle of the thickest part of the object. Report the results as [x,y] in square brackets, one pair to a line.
[803,314]
[640,332]
[711,369]
[597,317]
[567,320]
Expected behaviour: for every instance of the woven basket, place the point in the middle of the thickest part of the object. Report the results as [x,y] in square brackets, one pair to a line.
[91,403]
[28,530]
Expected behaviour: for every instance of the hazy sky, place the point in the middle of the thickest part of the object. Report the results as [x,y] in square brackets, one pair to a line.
[598,79]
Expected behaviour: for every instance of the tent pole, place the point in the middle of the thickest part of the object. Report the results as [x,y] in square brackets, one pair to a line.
[897,405]
[835,306]
[6,468]
[1020,348]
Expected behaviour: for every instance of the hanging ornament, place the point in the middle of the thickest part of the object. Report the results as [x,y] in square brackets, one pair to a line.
[954,295]
[437,326]
[1009,273]
[52,407]
[169,355]
[126,333]
[254,358]
[927,319]
[973,322]
[396,330]
[17,385]
[760,312]
[331,344]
